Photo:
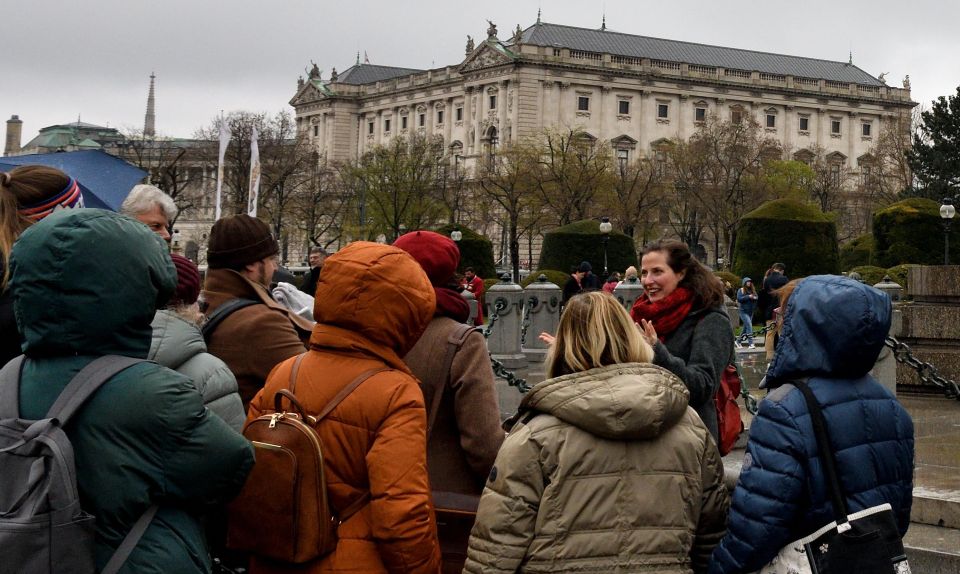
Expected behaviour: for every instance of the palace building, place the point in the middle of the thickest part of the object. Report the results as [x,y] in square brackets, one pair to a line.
[632,91]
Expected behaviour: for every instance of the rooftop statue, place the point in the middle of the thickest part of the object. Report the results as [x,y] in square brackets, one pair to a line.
[492,30]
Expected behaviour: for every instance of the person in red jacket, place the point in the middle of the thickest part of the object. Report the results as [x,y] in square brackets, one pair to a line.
[475,286]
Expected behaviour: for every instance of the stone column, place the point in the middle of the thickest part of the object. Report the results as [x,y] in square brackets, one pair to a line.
[628,291]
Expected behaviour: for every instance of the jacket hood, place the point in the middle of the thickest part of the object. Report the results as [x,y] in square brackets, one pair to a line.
[743,282]
[833,327]
[377,291]
[88,281]
[628,401]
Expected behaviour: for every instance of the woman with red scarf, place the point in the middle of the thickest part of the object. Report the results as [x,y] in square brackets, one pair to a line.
[681,315]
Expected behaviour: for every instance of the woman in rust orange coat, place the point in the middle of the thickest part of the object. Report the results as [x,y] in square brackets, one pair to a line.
[372,304]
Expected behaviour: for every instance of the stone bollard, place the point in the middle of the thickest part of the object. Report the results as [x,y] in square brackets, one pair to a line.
[885,369]
[542,310]
[733,312]
[506,307]
[471,300]
[894,290]
[628,291]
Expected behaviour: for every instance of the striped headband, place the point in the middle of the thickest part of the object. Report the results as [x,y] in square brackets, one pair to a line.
[69,198]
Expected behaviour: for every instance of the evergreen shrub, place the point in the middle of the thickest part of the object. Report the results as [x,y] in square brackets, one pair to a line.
[870,274]
[475,251]
[558,278]
[857,252]
[787,231]
[565,247]
[911,231]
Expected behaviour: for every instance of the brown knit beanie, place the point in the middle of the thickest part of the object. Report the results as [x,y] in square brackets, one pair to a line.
[238,241]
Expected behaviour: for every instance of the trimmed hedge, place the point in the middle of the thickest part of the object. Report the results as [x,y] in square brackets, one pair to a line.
[857,252]
[558,278]
[911,231]
[475,251]
[870,274]
[565,247]
[788,231]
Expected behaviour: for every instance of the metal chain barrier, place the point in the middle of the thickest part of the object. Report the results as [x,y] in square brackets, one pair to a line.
[498,369]
[927,372]
[532,302]
[749,400]
[499,305]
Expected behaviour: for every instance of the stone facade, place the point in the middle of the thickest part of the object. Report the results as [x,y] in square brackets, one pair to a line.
[629,90]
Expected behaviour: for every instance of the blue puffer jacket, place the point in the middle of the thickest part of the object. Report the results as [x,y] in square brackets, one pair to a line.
[833,331]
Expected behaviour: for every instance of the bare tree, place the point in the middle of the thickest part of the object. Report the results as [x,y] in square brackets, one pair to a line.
[573,168]
[637,189]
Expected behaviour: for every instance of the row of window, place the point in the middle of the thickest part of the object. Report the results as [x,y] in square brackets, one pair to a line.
[421,120]
[736,116]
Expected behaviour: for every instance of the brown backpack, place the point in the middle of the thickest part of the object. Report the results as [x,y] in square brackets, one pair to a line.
[283,512]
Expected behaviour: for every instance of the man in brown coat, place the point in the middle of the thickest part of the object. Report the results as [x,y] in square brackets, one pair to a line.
[252,340]
[463,414]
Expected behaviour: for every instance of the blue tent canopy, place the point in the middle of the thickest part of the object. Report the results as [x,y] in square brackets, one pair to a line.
[104,180]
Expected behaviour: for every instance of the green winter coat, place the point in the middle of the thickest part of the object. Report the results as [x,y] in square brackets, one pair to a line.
[86,283]
[616,474]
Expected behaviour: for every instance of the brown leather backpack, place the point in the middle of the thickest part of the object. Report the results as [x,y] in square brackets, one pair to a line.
[283,512]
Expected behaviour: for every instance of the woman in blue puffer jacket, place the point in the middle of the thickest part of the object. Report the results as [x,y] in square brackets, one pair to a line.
[832,332]
[747,303]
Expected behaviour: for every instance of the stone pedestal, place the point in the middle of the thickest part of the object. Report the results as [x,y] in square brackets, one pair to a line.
[506,301]
[542,306]
[931,324]
[885,369]
[627,292]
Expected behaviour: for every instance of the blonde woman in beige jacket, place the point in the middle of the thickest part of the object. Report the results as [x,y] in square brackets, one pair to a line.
[606,468]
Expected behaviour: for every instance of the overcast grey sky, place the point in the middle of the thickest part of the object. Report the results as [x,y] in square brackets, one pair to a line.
[60,59]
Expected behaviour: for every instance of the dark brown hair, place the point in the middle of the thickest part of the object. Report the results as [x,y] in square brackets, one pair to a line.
[21,186]
[706,287]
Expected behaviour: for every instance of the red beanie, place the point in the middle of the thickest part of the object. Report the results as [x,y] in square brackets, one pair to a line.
[188,281]
[437,254]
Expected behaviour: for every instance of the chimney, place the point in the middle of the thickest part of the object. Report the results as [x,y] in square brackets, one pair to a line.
[149,121]
[14,131]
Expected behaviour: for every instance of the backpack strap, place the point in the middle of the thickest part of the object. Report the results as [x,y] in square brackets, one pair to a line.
[86,382]
[130,541]
[456,339]
[221,313]
[10,388]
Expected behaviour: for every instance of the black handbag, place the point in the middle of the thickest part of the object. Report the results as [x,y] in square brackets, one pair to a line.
[866,542]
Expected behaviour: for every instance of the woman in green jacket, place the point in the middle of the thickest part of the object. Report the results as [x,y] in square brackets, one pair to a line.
[606,468]
[86,283]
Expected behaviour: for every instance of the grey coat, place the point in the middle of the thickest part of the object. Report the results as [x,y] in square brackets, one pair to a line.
[177,344]
[698,351]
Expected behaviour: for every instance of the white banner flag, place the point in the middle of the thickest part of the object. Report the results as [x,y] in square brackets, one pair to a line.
[224,142]
[254,175]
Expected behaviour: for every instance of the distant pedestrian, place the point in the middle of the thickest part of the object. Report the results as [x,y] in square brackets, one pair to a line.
[463,413]
[774,281]
[578,282]
[315,258]
[612,281]
[27,195]
[833,330]
[152,207]
[746,305]
[606,468]
[682,316]
[474,284]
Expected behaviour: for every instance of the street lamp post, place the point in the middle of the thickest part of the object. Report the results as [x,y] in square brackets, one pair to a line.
[605,229]
[947,211]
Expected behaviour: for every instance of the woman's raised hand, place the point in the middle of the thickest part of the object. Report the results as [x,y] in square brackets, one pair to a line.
[547,338]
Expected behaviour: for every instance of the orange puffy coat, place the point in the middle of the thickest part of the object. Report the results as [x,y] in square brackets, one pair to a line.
[372,304]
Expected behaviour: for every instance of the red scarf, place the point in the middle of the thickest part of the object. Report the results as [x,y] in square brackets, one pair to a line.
[665,314]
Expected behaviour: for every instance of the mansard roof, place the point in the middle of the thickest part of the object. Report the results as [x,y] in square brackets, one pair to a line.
[616,43]
[368,74]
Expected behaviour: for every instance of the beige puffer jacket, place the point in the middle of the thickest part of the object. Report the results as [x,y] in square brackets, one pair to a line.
[617,474]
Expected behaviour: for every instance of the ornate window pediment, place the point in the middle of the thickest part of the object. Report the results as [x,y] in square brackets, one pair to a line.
[623,141]
[804,155]
[404,111]
[836,157]
[421,109]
